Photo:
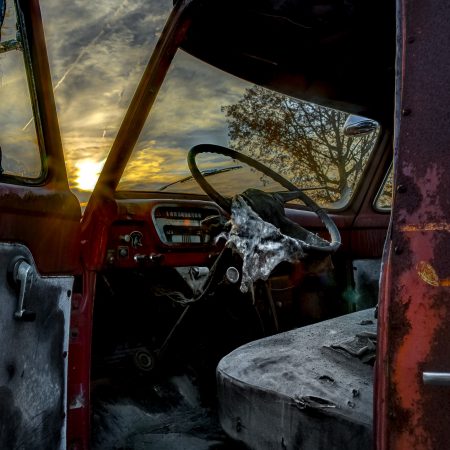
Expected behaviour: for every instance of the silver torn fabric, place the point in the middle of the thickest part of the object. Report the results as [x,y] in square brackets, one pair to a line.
[260,244]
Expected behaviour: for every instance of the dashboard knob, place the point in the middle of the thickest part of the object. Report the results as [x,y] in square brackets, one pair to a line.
[232,275]
[140,258]
[155,258]
[125,238]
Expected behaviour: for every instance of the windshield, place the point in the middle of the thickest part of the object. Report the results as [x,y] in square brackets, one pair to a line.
[200,104]
[96,68]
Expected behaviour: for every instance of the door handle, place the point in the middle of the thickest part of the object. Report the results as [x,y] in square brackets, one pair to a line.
[436,378]
[23,275]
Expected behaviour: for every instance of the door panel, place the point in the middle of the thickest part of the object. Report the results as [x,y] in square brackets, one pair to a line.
[47,221]
[39,243]
[33,352]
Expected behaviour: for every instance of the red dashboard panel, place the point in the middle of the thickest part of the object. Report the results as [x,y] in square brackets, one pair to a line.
[161,232]
[144,232]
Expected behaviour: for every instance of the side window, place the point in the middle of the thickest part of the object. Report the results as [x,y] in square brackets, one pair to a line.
[383,200]
[20,155]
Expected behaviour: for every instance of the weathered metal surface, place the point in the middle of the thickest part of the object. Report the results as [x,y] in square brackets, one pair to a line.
[415,308]
[47,221]
[79,411]
[33,358]
[41,92]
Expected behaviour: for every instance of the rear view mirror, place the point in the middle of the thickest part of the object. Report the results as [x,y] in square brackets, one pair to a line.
[359,126]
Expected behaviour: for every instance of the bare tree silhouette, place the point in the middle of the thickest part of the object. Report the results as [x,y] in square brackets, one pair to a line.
[384,200]
[300,140]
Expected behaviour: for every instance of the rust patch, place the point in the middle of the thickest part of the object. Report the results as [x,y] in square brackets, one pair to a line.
[432,226]
[399,327]
[428,274]
[435,400]
[412,198]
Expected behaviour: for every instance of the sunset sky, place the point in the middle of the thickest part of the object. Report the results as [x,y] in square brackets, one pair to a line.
[98,51]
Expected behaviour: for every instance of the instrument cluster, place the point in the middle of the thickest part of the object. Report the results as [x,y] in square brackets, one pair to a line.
[153,232]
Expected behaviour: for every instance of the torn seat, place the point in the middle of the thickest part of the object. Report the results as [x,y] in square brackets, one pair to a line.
[308,388]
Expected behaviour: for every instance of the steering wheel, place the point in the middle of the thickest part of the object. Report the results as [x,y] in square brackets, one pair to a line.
[291,227]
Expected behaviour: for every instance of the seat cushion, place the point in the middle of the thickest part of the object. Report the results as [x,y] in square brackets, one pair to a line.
[308,388]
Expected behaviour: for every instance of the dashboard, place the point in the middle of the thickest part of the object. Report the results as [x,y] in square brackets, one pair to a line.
[161,232]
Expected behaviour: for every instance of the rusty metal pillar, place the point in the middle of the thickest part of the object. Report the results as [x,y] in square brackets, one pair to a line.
[411,413]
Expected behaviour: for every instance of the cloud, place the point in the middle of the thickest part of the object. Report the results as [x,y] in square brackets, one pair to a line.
[187,112]
[98,52]
[154,166]
[191,97]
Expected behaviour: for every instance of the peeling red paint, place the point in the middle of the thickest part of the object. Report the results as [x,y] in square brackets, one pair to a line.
[414,304]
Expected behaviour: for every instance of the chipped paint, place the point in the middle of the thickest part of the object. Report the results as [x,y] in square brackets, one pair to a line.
[415,306]
[423,322]
[79,401]
[443,226]
[428,274]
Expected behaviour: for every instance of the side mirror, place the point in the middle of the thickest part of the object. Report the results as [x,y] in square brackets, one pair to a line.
[359,126]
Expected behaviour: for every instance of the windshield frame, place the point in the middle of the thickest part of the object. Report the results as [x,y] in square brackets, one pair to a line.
[171,39]
[172,35]
[31,44]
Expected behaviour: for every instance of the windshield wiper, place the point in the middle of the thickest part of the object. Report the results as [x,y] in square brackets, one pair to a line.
[205,173]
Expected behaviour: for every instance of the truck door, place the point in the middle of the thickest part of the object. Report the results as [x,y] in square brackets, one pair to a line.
[39,239]
[413,363]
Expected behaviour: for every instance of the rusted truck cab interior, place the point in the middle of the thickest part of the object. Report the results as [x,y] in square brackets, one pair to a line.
[224,279]
[263,261]
[174,295]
